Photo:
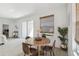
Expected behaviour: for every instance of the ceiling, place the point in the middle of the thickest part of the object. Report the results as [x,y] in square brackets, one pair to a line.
[18,10]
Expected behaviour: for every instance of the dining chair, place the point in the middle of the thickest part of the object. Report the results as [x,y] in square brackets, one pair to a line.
[28,50]
[49,48]
[34,51]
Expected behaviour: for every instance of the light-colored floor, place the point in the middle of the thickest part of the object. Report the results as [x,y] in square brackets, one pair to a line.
[60,52]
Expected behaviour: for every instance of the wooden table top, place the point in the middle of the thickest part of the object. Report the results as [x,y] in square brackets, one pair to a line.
[42,42]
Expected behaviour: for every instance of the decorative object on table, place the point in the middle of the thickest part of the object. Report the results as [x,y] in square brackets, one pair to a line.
[47,24]
[38,39]
[63,34]
[38,32]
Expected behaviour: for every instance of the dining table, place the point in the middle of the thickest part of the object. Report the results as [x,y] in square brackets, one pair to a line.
[38,42]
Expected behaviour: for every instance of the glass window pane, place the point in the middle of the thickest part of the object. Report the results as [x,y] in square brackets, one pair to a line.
[30,28]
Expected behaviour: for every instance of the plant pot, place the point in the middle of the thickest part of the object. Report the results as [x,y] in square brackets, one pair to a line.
[63,46]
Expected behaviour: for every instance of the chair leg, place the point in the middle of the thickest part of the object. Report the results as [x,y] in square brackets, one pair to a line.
[53,53]
[45,53]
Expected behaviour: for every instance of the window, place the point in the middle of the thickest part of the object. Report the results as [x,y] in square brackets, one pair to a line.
[24,29]
[30,28]
[27,28]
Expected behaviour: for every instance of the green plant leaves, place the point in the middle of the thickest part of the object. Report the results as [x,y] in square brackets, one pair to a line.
[63,32]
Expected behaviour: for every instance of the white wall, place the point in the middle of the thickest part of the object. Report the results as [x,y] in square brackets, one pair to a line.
[60,19]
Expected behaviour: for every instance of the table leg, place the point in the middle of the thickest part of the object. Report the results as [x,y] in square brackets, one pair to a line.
[38,47]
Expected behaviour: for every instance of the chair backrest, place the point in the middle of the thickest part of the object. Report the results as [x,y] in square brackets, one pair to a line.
[27,37]
[25,48]
[54,43]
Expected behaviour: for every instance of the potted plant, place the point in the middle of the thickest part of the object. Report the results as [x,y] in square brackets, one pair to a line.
[63,34]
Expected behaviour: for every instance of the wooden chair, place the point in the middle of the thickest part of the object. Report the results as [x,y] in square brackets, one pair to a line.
[33,50]
[49,48]
[28,50]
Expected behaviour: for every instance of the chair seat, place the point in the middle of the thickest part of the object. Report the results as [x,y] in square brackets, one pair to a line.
[33,50]
[47,48]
